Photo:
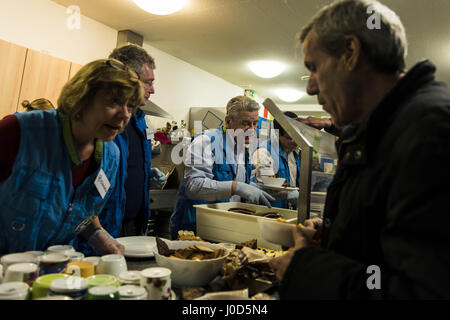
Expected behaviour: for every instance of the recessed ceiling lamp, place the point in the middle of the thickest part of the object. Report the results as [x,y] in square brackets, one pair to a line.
[289,95]
[161,7]
[266,68]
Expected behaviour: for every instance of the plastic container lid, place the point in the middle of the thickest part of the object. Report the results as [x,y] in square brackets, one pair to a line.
[102,290]
[130,276]
[156,272]
[102,279]
[47,279]
[15,289]
[131,291]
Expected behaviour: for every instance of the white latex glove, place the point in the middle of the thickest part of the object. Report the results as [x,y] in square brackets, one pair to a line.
[291,196]
[157,178]
[103,243]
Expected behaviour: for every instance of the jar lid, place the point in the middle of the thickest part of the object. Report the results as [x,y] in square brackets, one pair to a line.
[10,289]
[102,290]
[130,291]
[156,272]
[130,276]
[47,279]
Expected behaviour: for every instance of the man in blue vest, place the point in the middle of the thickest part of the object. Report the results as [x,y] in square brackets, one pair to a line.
[217,166]
[132,210]
[288,165]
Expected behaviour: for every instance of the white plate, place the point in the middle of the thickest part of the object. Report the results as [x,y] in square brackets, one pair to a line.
[138,246]
[278,188]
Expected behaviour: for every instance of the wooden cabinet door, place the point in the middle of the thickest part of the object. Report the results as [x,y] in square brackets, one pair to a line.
[43,77]
[12,61]
[74,67]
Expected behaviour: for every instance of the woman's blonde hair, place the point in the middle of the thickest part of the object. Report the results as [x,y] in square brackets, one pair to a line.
[122,82]
[37,104]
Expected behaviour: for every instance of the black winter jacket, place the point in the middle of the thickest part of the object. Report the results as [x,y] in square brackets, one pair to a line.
[388,205]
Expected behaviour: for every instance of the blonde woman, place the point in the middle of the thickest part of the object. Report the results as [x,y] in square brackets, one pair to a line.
[58,167]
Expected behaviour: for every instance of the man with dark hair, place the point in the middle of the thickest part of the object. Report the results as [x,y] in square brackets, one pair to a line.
[385,229]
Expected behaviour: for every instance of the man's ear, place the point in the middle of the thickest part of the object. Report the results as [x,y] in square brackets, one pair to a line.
[352,52]
[227,121]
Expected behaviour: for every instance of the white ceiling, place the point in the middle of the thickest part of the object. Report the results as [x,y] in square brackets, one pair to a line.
[221,36]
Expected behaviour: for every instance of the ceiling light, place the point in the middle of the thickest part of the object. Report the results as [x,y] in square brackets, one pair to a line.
[289,95]
[266,68]
[161,7]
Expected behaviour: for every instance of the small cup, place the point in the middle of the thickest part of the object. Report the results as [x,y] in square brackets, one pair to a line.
[41,287]
[64,249]
[52,263]
[130,278]
[112,264]
[132,292]
[14,291]
[22,272]
[157,283]
[75,255]
[103,280]
[13,258]
[103,293]
[82,269]
[74,287]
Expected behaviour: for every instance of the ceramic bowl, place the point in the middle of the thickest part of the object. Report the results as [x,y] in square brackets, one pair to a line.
[191,273]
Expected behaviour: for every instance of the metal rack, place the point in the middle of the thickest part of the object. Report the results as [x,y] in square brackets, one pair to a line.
[304,199]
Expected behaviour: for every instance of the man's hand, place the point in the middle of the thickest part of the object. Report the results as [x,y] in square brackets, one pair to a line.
[281,264]
[253,194]
[103,243]
[318,123]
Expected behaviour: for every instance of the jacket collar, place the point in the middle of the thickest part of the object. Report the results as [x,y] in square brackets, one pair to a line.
[70,144]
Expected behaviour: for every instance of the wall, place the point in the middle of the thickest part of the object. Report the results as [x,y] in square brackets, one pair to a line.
[42,25]
[180,86]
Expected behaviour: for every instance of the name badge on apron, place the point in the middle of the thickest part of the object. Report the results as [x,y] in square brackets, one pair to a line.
[150,134]
[102,183]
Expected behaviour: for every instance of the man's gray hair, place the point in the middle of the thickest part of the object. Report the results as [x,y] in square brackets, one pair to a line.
[241,103]
[133,56]
[385,47]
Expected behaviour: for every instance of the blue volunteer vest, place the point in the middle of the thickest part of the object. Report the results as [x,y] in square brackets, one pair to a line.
[183,217]
[35,199]
[284,172]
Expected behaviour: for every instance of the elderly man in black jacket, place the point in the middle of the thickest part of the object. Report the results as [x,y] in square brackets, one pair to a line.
[385,233]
